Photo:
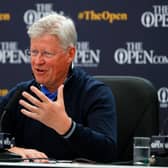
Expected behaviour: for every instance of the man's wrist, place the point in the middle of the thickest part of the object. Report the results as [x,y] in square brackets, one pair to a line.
[70,130]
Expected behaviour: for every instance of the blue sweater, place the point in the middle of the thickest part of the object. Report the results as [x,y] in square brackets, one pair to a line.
[89,103]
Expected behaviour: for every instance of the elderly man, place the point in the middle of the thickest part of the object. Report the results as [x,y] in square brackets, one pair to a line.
[63,112]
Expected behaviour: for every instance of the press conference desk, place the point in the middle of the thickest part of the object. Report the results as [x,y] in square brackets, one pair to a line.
[64,165]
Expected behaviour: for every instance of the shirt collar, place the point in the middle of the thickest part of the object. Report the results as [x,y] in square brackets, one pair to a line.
[50,95]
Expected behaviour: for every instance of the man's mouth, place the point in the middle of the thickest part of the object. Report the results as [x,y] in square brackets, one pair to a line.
[40,70]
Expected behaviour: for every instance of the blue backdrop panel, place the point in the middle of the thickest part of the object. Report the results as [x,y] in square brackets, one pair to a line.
[115,38]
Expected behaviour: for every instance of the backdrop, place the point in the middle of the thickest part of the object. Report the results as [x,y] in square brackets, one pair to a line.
[115,38]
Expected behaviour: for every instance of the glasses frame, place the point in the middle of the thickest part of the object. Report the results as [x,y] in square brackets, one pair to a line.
[45,53]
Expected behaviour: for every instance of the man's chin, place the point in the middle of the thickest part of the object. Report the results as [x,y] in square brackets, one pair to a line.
[40,81]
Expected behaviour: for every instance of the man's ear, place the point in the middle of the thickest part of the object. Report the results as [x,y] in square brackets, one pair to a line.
[71,53]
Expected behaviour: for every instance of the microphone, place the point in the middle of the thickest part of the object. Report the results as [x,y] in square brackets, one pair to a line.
[6,138]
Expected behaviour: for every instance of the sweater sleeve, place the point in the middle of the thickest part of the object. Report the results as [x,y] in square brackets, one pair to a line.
[97,139]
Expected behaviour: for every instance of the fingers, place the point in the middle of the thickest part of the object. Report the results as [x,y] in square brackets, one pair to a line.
[30,114]
[30,154]
[35,103]
[39,94]
[28,106]
[32,99]
[36,156]
[29,109]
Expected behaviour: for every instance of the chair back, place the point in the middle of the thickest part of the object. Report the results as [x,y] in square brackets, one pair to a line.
[137,110]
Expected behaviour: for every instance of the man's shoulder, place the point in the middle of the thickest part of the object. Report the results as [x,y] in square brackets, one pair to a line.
[19,87]
[83,74]
[85,79]
[26,84]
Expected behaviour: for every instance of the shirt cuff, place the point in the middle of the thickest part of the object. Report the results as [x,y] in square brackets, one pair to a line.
[70,131]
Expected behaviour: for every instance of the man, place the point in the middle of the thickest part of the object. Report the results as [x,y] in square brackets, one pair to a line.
[63,112]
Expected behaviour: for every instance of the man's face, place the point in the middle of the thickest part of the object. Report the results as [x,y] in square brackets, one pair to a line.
[49,61]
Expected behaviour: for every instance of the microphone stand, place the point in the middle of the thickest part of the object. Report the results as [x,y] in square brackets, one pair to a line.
[6,140]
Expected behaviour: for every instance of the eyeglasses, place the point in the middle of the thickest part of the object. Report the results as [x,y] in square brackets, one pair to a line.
[44,53]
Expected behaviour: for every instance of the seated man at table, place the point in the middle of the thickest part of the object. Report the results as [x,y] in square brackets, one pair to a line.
[63,112]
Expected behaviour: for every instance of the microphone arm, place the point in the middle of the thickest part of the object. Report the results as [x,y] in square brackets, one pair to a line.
[6,138]
[1,119]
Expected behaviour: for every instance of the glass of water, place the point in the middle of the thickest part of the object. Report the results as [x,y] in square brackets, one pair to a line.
[141,153]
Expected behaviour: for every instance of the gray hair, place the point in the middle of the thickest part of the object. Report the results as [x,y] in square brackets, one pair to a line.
[58,25]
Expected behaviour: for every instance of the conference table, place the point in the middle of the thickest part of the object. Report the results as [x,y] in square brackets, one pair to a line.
[66,165]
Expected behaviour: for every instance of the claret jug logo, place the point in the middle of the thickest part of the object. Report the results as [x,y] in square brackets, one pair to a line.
[42,9]
[134,53]
[11,54]
[85,56]
[163,97]
[156,18]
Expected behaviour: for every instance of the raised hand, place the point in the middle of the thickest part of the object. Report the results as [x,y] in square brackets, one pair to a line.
[51,113]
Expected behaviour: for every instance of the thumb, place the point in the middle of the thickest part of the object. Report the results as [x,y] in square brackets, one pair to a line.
[60,97]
